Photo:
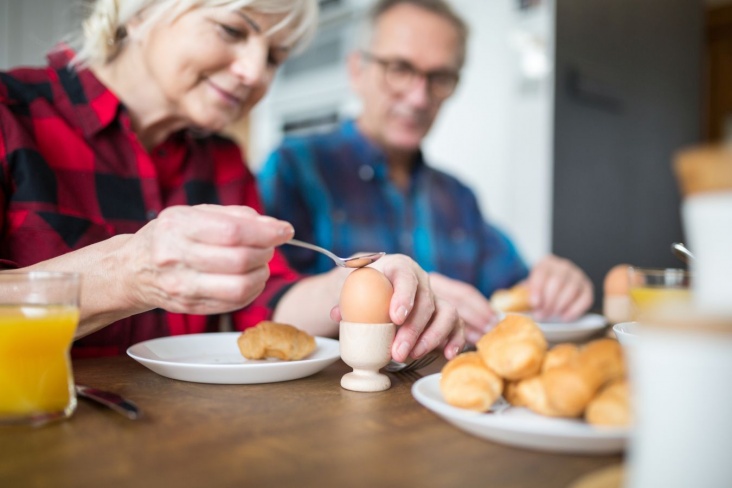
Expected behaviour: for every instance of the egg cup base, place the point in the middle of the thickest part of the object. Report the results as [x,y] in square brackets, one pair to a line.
[366,348]
[365,381]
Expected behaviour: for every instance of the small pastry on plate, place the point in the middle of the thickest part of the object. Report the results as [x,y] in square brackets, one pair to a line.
[515,348]
[611,406]
[274,340]
[560,355]
[515,299]
[569,388]
[467,382]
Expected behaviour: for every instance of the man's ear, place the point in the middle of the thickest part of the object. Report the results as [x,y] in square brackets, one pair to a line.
[355,71]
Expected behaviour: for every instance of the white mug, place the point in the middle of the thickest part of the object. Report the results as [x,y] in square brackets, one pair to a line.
[682,390]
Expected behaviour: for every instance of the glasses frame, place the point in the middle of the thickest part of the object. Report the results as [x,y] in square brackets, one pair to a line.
[395,67]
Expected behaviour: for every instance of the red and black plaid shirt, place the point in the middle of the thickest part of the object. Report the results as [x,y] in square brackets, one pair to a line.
[73,173]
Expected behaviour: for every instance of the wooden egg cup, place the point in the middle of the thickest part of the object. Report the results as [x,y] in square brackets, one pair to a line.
[366,348]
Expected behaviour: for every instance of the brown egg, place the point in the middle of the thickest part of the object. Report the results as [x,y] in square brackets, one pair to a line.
[616,305]
[365,297]
[616,280]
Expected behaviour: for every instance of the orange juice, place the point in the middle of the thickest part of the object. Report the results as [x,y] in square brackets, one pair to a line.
[649,298]
[35,371]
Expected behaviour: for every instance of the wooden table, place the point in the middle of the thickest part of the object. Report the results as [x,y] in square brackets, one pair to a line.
[301,433]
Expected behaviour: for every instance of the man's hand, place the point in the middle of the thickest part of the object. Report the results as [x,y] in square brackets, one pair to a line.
[558,288]
[474,309]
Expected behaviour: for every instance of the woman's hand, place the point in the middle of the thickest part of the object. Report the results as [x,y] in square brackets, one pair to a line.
[425,321]
[203,259]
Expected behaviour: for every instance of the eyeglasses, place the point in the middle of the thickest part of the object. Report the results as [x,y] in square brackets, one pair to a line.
[400,76]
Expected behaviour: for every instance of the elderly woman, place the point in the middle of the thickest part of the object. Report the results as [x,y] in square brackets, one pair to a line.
[111,167]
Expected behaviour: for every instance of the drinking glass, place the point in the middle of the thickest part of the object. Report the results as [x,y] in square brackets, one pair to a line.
[39,313]
[658,291]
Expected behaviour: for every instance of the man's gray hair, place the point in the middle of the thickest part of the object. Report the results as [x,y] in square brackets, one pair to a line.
[439,7]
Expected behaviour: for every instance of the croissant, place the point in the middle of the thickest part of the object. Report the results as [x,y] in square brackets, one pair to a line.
[467,382]
[611,406]
[514,349]
[566,390]
[274,340]
[560,355]
[514,299]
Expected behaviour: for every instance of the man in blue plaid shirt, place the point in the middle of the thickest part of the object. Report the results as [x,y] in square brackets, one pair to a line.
[367,187]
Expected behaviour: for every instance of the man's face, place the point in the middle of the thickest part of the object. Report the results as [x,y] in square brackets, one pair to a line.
[399,118]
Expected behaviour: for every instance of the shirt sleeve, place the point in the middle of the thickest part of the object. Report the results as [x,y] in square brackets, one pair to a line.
[7,122]
[284,183]
[281,276]
[501,266]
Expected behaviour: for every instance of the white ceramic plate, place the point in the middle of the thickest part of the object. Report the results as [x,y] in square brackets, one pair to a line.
[215,358]
[520,427]
[579,330]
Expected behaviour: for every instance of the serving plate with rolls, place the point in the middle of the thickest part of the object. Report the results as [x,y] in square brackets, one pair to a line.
[516,390]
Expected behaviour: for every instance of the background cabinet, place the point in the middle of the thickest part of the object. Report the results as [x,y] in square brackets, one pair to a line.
[628,96]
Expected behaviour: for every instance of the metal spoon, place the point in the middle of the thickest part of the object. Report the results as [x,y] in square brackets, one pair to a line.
[680,251]
[354,262]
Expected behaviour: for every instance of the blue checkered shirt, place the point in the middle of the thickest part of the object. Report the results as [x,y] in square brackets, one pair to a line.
[334,189]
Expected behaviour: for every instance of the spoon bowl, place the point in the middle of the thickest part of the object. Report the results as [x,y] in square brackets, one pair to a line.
[354,262]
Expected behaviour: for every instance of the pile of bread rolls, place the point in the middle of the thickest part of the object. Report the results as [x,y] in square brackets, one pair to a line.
[570,381]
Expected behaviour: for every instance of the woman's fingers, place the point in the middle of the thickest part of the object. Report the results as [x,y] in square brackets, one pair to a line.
[204,259]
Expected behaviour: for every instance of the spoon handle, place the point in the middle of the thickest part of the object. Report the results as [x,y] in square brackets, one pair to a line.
[681,252]
[319,249]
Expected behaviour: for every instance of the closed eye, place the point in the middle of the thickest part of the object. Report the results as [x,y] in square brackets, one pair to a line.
[232,33]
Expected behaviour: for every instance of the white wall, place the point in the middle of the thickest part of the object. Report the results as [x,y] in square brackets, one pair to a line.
[29,28]
[495,134]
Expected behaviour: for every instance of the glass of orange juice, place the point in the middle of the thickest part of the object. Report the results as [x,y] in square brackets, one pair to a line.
[39,313]
[658,291]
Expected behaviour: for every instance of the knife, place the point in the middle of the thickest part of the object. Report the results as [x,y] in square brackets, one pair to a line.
[110,400]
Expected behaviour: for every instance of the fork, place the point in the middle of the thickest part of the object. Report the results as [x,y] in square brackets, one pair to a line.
[413,365]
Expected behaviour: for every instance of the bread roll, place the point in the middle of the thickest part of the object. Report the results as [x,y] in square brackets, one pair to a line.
[515,299]
[511,393]
[532,394]
[560,355]
[273,340]
[606,357]
[611,406]
[468,383]
[569,388]
[514,349]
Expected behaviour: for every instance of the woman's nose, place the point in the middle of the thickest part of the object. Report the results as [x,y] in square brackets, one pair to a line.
[250,65]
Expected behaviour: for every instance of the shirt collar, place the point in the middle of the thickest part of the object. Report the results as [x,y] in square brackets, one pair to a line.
[93,105]
[368,152]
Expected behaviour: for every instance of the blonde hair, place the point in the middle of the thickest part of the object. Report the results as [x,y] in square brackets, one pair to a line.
[104,31]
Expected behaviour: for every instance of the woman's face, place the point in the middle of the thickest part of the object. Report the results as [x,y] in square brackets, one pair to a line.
[212,65]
